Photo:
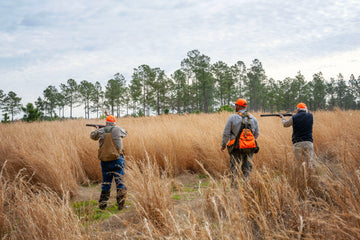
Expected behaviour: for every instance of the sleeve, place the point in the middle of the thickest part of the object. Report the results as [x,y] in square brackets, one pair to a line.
[256,131]
[287,123]
[117,134]
[95,135]
[227,132]
[123,132]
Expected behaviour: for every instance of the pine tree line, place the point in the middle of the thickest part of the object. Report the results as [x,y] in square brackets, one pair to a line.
[197,86]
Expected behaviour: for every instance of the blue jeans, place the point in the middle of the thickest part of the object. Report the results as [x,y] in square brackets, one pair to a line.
[113,169]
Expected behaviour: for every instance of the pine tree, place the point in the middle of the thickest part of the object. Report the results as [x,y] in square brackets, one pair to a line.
[11,104]
[71,94]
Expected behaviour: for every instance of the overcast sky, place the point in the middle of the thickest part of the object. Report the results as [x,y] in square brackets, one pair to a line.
[46,42]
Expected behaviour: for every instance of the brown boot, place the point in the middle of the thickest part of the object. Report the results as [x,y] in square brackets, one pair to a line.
[104,197]
[120,198]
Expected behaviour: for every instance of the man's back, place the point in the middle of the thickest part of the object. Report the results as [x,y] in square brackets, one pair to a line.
[233,125]
[302,127]
[117,134]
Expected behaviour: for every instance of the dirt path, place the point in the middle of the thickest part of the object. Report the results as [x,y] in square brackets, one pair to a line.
[114,222]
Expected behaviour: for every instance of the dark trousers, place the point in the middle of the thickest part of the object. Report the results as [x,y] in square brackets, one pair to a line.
[237,160]
[113,169]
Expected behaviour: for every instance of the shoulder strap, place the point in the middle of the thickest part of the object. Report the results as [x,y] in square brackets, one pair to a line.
[244,125]
[241,126]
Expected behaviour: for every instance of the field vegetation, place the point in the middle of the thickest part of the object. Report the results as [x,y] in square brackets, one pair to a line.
[178,182]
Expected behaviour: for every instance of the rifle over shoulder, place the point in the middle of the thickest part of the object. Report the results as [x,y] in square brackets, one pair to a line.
[275,115]
[95,125]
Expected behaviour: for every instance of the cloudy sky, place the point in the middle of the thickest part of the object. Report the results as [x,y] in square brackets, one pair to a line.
[46,42]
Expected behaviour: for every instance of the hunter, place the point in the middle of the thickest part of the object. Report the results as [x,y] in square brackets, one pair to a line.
[302,136]
[231,131]
[112,160]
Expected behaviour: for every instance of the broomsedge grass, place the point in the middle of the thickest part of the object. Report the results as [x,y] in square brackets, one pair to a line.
[34,213]
[45,163]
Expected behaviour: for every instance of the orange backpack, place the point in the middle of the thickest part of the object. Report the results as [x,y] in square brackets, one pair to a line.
[245,141]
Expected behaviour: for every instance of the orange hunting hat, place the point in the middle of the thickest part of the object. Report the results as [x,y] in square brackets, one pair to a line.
[110,118]
[241,102]
[301,106]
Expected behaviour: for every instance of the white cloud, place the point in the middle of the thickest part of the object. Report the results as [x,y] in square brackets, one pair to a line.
[48,42]
[346,63]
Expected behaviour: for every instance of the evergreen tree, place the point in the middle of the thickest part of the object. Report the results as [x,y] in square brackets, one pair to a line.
[273,101]
[70,92]
[50,99]
[354,85]
[299,88]
[225,83]
[135,91]
[255,85]
[60,103]
[86,91]
[239,74]
[2,95]
[11,104]
[141,87]
[330,91]
[97,99]
[341,90]
[127,99]
[113,93]
[31,113]
[180,91]
[202,81]
[286,98]
[318,91]
[160,91]
[40,104]
[6,118]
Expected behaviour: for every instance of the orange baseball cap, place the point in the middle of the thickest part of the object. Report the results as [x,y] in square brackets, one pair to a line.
[110,118]
[301,106]
[241,102]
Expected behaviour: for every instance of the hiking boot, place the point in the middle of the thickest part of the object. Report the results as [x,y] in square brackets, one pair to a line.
[120,198]
[104,197]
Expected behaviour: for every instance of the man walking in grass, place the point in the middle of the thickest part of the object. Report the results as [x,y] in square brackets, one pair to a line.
[111,154]
[302,136]
[233,127]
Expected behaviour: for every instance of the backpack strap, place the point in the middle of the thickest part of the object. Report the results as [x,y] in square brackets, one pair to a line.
[245,125]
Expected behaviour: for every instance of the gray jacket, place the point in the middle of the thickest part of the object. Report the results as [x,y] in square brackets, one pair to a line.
[117,134]
[233,124]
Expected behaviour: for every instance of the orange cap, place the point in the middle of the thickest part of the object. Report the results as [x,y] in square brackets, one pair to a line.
[110,118]
[241,102]
[301,106]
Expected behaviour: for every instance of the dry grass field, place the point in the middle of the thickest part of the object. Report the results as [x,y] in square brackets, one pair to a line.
[178,182]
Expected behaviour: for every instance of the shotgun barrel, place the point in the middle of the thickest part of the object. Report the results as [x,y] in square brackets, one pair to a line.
[94,125]
[275,115]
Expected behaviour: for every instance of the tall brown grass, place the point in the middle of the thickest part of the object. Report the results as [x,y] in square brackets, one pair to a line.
[27,212]
[45,161]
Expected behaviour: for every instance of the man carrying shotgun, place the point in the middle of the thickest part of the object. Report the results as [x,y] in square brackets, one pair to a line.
[302,137]
[111,154]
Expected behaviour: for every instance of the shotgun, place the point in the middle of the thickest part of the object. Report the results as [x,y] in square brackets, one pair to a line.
[275,115]
[95,125]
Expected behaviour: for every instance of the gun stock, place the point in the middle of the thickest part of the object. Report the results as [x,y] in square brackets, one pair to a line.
[275,115]
[94,125]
